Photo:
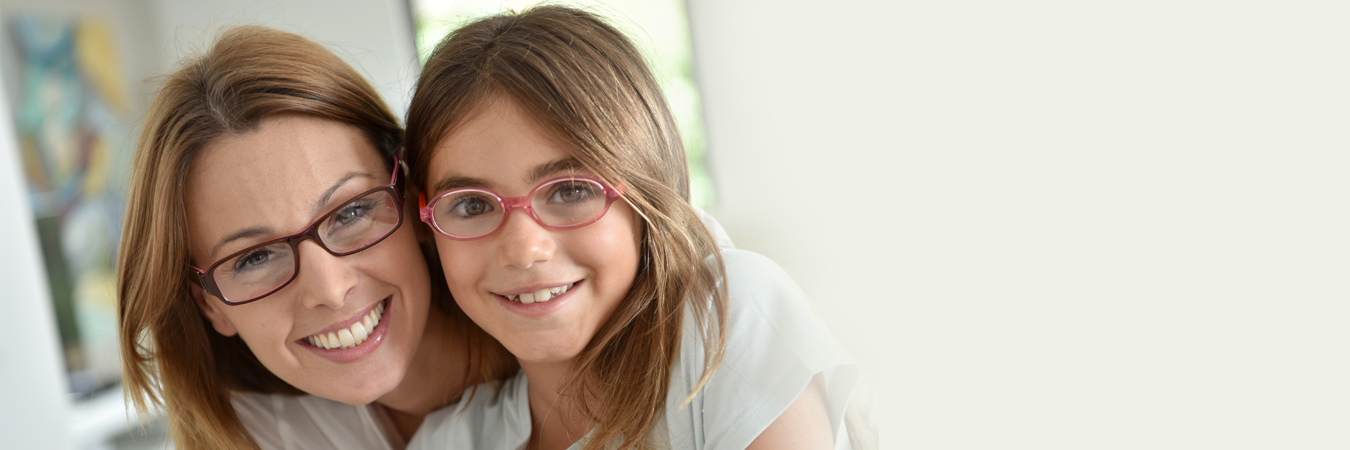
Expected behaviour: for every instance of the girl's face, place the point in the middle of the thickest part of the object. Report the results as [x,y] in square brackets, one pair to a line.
[249,188]
[503,150]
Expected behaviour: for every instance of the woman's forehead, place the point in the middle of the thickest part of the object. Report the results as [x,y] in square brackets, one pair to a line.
[277,176]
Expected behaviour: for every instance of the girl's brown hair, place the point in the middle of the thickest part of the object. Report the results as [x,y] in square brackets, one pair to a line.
[170,359]
[582,79]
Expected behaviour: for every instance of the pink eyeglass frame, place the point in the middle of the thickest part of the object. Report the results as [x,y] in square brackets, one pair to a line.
[427,210]
[208,282]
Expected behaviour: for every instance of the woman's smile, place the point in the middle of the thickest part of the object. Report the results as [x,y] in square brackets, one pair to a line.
[350,339]
[345,327]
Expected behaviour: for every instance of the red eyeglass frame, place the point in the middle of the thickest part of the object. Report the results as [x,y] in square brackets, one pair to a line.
[426,210]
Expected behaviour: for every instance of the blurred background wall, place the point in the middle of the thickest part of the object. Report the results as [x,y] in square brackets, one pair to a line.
[1039,224]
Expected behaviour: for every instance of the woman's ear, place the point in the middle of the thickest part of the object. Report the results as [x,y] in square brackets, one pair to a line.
[212,313]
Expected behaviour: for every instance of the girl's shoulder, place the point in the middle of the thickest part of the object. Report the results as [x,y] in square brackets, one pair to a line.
[302,422]
[775,344]
[485,418]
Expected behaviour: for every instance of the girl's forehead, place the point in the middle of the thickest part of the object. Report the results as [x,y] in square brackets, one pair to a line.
[500,140]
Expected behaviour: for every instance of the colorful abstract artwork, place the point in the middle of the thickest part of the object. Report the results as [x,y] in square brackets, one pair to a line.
[71,106]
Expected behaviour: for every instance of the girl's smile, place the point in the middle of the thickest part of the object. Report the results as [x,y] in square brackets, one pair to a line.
[537,302]
[544,293]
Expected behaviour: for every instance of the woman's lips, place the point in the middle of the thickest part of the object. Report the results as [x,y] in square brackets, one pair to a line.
[342,345]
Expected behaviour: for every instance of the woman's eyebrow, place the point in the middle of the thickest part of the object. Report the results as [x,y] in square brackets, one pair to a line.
[328,194]
[318,207]
[244,233]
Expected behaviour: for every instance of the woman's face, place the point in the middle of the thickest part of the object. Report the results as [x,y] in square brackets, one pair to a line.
[248,188]
[503,150]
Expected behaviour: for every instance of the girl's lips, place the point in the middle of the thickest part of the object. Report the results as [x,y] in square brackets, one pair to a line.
[372,341]
[538,309]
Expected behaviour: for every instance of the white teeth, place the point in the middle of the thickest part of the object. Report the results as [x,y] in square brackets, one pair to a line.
[351,336]
[542,295]
[359,333]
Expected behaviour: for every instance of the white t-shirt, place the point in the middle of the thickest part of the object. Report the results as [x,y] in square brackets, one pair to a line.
[304,422]
[284,422]
[775,345]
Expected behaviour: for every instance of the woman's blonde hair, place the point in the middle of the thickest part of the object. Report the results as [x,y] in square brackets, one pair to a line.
[585,81]
[170,359]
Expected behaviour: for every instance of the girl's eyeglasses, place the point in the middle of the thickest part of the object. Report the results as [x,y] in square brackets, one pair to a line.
[258,271]
[557,204]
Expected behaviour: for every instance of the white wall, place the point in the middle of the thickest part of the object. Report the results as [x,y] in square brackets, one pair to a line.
[32,386]
[376,37]
[1053,225]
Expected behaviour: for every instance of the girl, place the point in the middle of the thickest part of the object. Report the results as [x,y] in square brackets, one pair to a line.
[270,279]
[631,328]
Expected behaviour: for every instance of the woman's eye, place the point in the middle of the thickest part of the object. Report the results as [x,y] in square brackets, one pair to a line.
[351,213]
[252,260]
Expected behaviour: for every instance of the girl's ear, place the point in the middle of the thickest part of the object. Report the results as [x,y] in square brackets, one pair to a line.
[212,312]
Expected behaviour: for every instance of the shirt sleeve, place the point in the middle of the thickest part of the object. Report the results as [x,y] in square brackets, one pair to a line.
[775,344]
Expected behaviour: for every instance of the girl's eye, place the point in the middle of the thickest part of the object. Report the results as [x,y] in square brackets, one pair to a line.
[572,192]
[470,206]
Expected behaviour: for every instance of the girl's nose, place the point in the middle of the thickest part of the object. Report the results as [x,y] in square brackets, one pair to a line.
[523,242]
[324,279]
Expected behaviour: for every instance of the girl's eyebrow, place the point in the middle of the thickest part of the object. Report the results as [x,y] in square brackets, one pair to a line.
[545,170]
[456,182]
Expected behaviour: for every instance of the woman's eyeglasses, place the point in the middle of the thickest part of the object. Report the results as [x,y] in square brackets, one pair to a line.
[258,271]
[557,204]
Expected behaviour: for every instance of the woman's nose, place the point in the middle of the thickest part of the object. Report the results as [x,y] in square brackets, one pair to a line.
[524,242]
[325,280]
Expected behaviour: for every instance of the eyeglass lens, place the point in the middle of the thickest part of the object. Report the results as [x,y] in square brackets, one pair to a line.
[562,203]
[260,270]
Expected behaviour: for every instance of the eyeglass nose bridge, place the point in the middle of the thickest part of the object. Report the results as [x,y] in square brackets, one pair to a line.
[523,202]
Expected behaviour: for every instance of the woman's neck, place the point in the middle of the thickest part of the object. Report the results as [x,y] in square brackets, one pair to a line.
[556,421]
[435,377]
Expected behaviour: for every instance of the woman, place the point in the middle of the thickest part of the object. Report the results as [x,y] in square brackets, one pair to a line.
[273,279]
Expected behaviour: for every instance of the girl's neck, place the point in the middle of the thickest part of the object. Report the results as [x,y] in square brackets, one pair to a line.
[435,377]
[556,421]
